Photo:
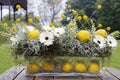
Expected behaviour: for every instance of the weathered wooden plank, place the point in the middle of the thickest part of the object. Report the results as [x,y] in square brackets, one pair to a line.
[114,72]
[22,76]
[11,73]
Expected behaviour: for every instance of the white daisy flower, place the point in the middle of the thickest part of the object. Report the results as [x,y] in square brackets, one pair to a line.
[58,32]
[47,28]
[30,28]
[47,38]
[100,41]
[111,41]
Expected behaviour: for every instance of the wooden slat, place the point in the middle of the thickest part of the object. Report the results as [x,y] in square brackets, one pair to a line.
[114,72]
[11,73]
[22,76]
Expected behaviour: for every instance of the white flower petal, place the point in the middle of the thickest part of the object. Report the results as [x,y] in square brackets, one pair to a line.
[111,41]
[30,28]
[48,43]
[58,32]
[100,41]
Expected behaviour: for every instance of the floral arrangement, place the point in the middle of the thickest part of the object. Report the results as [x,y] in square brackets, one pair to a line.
[58,40]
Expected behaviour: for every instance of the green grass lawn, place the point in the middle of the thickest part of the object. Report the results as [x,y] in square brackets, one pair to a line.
[6,61]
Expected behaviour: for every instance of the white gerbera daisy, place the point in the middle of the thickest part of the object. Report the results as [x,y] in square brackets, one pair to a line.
[100,41]
[47,28]
[58,32]
[47,38]
[111,41]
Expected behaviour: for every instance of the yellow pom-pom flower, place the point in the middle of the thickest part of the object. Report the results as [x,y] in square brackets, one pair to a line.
[71,25]
[51,25]
[18,6]
[30,20]
[13,28]
[108,28]
[75,12]
[5,25]
[69,6]
[37,18]
[34,34]
[62,16]
[99,7]
[18,20]
[101,32]
[99,25]
[85,17]
[83,35]
[59,24]
[79,18]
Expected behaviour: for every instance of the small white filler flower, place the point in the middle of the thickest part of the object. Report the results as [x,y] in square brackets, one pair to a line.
[58,32]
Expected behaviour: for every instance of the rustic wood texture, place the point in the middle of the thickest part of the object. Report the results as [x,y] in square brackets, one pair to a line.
[19,73]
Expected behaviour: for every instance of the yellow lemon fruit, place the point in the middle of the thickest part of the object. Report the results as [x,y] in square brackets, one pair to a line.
[80,67]
[33,68]
[85,17]
[34,34]
[83,36]
[94,67]
[69,6]
[67,67]
[99,25]
[18,6]
[48,66]
[101,32]
[99,6]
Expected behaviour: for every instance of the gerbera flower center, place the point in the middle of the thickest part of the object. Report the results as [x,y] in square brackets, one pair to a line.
[99,42]
[46,38]
[58,33]
[110,42]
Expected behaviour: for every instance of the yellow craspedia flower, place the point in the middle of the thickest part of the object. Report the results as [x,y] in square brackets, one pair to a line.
[5,25]
[83,36]
[75,12]
[79,18]
[99,7]
[59,24]
[34,34]
[108,28]
[71,25]
[62,16]
[51,25]
[101,32]
[99,25]
[18,6]
[18,20]
[30,20]
[13,28]
[85,17]
[69,6]
[37,18]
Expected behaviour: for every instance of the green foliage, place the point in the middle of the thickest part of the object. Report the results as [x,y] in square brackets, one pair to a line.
[116,34]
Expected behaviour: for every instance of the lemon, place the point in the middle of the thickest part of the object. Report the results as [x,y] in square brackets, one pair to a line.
[48,66]
[33,68]
[83,35]
[85,17]
[34,34]
[99,6]
[80,67]
[67,67]
[101,32]
[94,67]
